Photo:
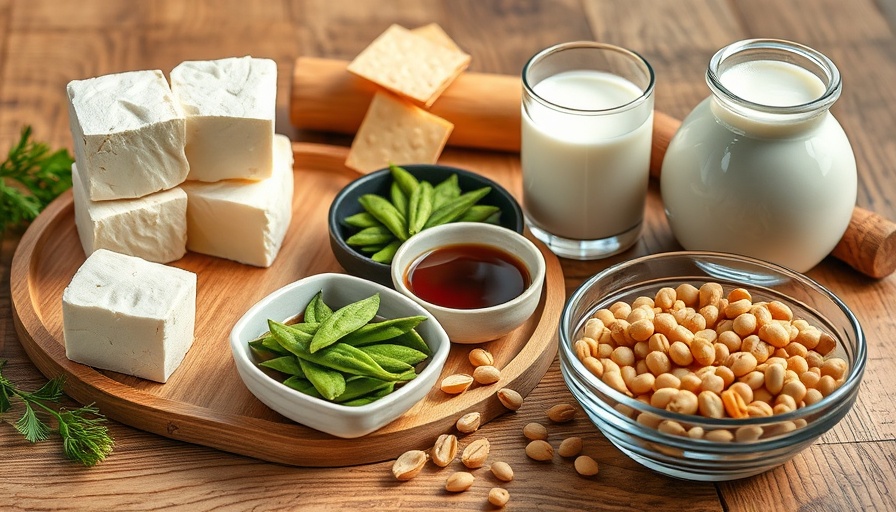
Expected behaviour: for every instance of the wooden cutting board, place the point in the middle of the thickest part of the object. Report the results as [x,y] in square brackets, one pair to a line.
[205,401]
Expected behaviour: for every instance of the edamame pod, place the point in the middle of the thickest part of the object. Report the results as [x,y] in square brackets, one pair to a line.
[284,364]
[379,331]
[399,200]
[406,181]
[401,353]
[385,212]
[386,254]
[419,207]
[302,385]
[445,191]
[479,213]
[328,382]
[361,220]
[344,320]
[453,209]
[371,236]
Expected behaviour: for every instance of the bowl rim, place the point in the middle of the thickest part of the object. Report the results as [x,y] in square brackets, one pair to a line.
[333,222]
[849,386]
[536,280]
[240,351]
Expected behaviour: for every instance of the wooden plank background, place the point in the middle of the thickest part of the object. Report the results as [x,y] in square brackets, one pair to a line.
[46,43]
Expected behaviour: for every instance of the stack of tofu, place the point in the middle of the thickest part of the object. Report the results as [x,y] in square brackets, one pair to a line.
[160,170]
[196,165]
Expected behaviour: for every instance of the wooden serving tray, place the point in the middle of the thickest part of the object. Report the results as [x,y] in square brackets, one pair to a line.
[205,401]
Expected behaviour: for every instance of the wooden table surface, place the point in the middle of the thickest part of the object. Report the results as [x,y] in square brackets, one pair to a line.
[45,43]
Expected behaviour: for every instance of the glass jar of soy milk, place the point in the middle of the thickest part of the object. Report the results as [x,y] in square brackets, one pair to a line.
[761,167]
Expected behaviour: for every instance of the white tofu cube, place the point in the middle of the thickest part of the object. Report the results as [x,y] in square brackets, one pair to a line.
[129,134]
[129,315]
[152,227]
[230,106]
[240,220]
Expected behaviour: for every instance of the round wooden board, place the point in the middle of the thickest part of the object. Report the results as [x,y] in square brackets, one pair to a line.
[205,401]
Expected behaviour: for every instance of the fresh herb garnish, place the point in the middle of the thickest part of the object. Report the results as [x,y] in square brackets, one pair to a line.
[84,437]
[30,178]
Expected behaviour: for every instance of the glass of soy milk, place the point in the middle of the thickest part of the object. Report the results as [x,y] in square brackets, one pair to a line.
[587,122]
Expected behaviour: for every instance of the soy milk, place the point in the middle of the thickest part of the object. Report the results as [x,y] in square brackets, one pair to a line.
[585,172]
[762,168]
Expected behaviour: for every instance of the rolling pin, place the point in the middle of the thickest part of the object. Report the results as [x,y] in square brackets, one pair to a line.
[485,111]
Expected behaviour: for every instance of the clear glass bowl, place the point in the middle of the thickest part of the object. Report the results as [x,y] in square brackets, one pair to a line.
[783,435]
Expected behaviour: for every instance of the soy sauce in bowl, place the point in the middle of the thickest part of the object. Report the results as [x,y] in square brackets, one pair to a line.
[467,276]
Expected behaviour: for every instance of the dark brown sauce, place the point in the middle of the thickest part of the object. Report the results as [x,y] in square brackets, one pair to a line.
[467,276]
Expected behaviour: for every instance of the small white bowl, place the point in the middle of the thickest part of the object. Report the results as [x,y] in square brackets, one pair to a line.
[484,324]
[338,420]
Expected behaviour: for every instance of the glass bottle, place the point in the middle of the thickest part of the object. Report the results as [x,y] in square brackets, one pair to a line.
[761,167]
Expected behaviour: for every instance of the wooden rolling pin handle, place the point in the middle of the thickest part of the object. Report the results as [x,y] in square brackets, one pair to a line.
[485,110]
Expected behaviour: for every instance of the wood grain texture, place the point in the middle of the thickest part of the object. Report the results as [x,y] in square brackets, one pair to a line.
[850,468]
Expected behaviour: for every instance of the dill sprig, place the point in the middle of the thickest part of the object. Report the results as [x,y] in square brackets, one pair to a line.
[84,437]
[30,178]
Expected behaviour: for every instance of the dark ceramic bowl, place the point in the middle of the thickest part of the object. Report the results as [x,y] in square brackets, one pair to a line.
[346,203]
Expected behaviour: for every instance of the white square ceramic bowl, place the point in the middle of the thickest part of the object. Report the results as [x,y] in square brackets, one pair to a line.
[335,419]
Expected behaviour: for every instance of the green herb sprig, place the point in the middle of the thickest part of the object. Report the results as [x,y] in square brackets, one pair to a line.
[84,437]
[30,178]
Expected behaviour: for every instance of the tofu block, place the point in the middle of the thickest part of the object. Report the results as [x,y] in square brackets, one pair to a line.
[240,220]
[230,106]
[129,134]
[152,227]
[129,315]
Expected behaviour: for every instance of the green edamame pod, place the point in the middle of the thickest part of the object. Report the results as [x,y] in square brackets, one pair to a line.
[453,209]
[380,331]
[406,181]
[266,346]
[328,382]
[445,191]
[479,213]
[401,353]
[361,220]
[388,363]
[373,249]
[302,385]
[344,320]
[309,314]
[284,364]
[385,212]
[386,254]
[419,207]
[371,236]
[339,356]
[399,200]
[413,340]
[356,387]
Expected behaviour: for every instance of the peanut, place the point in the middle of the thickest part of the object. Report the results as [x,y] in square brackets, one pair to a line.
[409,464]
[586,466]
[481,357]
[539,450]
[510,398]
[570,447]
[456,384]
[486,374]
[476,453]
[469,423]
[534,431]
[502,471]
[561,413]
[444,451]
[459,481]
[498,496]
